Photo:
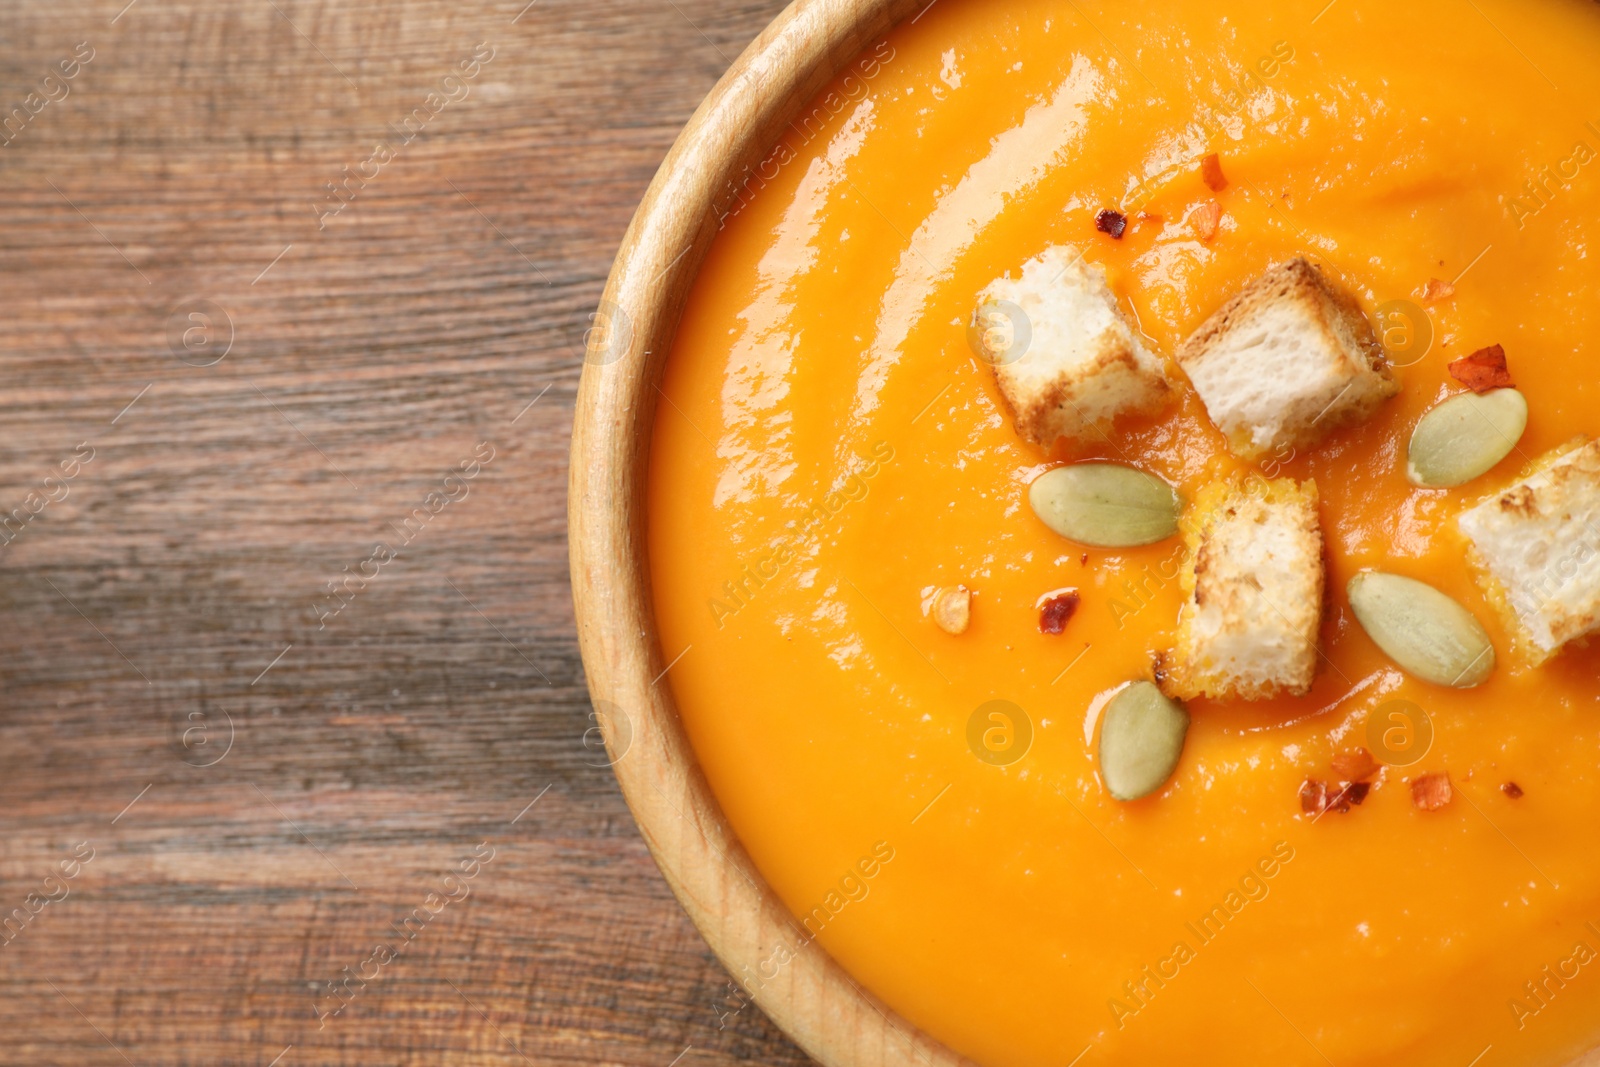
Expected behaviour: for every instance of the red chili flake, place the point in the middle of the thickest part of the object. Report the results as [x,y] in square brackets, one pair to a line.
[1512,790]
[1313,797]
[1436,291]
[1055,612]
[1352,793]
[1207,218]
[1211,171]
[1341,798]
[1482,371]
[1354,765]
[1432,791]
[1112,222]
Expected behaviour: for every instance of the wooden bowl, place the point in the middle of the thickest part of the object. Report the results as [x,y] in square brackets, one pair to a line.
[747,926]
[766,950]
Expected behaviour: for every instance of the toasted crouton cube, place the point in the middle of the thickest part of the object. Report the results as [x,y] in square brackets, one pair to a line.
[1064,357]
[1536,550]
[1284,362]
[1252,582]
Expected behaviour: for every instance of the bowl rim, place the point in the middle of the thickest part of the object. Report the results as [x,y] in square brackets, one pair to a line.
[772,958]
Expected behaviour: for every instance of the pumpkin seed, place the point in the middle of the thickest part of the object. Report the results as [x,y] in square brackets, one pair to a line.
[1105,505]
[1464,437]
[1423,630]
[1140,741]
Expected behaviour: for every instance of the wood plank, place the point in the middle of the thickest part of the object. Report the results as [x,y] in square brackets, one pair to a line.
[149,602]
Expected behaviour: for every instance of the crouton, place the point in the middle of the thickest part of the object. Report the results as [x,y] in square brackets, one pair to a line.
[1536,550]
[1284,362]
[1072,365]
[1252,581]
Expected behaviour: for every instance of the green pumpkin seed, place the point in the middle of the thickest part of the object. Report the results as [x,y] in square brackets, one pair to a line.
[1423,630]
[1105,505]
[1464,437]
[1140,741]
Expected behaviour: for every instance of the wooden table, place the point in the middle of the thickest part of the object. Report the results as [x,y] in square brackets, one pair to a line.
[295,753]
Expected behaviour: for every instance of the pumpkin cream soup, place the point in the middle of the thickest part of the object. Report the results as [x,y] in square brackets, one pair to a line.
[1124,529]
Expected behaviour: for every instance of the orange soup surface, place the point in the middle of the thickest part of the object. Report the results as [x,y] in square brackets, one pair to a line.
[829,449]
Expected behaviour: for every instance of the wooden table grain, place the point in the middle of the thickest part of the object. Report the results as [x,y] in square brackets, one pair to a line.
[296,761]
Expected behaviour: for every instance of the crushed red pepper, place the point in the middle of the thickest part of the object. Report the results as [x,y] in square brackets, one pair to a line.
[1354,765]
[1431,792]
[1111,222]
[1211,172]
[1354,793]
[1482,371]
[1313,796]
[1512,790]
[1207,218]
[1436,291]
[1055,613]
[1316,797]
